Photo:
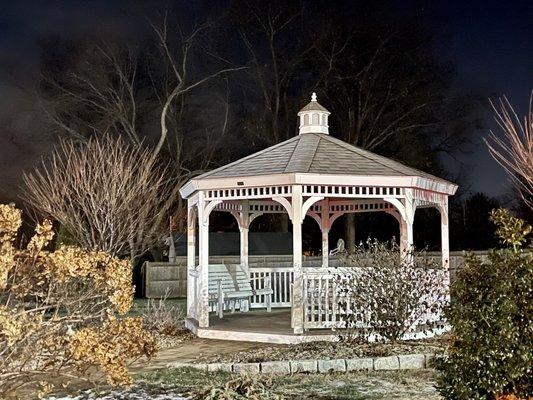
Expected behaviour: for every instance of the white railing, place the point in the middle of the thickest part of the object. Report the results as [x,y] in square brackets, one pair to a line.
[280,281]
[321,298]
[324,292]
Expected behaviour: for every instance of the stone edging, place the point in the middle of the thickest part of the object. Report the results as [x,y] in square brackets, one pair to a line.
[390,363]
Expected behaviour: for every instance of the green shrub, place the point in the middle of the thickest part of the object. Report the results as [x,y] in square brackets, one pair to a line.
[491,311]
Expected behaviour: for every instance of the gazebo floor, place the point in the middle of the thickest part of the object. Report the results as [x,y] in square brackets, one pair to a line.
[257,326]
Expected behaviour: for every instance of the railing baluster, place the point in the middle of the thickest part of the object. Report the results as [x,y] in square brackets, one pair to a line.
[326,316]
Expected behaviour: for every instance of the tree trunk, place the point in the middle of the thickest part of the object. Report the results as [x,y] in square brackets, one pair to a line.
[349,232]
[284,223]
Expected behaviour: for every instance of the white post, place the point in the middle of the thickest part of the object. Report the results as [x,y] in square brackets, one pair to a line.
[203,256]
[324,226]
[244,227]
[410,209]
[191,261]
[297,288]
[445,244]
[403,237]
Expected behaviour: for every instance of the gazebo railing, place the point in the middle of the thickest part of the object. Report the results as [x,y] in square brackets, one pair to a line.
[280,281]
[321,298]
[324,293]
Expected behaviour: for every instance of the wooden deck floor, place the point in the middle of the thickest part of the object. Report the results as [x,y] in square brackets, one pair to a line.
[258,326]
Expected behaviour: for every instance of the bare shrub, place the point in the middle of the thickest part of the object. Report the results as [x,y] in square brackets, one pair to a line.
[514,150]
[59,313]
[107,194]
[161,317]
[385,294]
[254,387]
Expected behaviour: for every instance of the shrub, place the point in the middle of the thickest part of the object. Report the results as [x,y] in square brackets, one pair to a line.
[58,312]
[491,353]
[242,387]
[386,294]
[161,317]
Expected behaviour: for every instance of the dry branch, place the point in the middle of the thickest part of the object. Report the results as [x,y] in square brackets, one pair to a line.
[107,194]
[514,151]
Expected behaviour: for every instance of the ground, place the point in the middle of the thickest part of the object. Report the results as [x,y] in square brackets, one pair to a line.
[154,380]
[173,384]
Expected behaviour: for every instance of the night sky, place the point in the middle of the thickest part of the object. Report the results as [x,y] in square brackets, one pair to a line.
[490,43]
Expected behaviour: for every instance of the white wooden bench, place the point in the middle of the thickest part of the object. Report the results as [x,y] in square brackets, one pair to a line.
[229,284]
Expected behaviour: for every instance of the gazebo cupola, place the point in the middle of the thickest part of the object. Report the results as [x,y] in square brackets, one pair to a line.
[314,118]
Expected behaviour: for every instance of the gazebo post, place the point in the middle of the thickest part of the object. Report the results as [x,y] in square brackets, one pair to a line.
[244,227]
[191,260]
[297,288]
[202,303]
[324,227]
[445,243]
[403,236]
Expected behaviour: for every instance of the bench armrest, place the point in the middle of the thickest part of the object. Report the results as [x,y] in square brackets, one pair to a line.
[266,279]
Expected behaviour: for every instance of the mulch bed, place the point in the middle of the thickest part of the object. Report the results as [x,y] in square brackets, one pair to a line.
[165,341]
[330,351]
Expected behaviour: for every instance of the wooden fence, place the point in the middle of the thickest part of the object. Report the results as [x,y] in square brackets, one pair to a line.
[162,276]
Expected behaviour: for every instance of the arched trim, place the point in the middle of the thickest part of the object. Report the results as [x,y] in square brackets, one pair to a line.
[334,217]
[285,203]
[316,217]
[308,203]
[208,208]
[396,214]
[401,209]
[254,216]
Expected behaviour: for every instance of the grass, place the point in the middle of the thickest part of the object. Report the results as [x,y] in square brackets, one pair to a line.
[141,304]
[356,386]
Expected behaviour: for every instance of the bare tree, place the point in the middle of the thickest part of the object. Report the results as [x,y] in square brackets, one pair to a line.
[514,150]
[98,94]
[123,93]
[277,47]
[109,195]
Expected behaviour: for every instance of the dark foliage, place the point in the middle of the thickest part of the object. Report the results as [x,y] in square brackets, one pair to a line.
[491,309]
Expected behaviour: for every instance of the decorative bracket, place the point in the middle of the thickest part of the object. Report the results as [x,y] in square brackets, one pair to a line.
[208,208]
[308,203]
[285,203]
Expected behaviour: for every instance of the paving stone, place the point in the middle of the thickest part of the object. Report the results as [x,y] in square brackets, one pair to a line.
[386,363]
[276,367]
[360,364]
[331,365]
[412,361]
[226,367]
[246,368]
[304,366]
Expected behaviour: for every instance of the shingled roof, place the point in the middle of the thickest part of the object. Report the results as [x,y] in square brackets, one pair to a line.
[315,153]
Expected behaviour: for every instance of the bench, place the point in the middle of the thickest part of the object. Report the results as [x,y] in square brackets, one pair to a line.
[229,284]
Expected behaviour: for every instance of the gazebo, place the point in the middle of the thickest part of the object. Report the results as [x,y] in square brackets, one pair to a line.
[311,174]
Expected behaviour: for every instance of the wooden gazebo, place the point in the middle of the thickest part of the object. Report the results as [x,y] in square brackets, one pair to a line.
[311,174]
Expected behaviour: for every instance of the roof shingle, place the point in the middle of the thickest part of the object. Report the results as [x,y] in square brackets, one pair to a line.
[318,154]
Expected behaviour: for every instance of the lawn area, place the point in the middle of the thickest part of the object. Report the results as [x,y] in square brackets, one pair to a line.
[140,305]
[362,385]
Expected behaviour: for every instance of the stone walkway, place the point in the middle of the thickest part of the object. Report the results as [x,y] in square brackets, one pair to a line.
[190,351]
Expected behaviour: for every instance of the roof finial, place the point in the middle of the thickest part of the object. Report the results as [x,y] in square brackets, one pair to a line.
[313,96]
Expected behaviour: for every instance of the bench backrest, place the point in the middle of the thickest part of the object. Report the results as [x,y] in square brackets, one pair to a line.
[232,278]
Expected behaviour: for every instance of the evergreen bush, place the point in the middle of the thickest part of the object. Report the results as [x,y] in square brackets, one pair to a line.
[491,355]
